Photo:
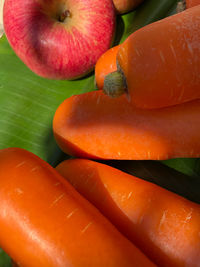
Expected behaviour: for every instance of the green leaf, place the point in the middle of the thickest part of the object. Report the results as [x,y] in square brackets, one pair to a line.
[188,166]
[5,260]
[28,104]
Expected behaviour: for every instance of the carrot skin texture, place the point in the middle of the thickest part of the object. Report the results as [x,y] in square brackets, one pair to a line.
[93,125]
[164,225]
[161,61]
[192,3]
[44,221]
[105,64]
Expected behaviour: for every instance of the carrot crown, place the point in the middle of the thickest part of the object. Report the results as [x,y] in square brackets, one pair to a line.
[114,84]
[181,6]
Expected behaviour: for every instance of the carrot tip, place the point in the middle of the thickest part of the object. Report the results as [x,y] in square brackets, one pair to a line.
[114,84]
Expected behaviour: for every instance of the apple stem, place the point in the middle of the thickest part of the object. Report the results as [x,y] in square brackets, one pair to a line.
[64,15]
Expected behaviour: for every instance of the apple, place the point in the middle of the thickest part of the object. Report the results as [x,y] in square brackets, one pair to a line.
[124,6]
[59,39]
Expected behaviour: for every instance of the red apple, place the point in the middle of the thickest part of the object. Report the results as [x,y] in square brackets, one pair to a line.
[59,39]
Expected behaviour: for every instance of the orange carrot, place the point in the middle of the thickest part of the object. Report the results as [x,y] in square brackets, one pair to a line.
[191,3]
[159,65]
[105,65]
[184,4]
[44,222]
[94,125]
[164,225]
[124,6]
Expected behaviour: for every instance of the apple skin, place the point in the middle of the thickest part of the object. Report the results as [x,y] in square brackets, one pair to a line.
[55,49]
[124,6]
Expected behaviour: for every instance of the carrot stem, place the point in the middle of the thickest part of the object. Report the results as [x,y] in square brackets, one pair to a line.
[114,84]
[181,6]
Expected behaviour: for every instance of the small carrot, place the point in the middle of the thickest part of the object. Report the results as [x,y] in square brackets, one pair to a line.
[159,65]
[105,65]
[45,222]
[164,225]
[124,6]
[94,125]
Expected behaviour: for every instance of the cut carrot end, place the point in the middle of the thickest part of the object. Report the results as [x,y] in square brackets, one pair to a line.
[181,6]
[114,84]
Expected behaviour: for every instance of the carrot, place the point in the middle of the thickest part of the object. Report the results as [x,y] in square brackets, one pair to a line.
[164,225]
[192,3]
[105,65]
[124,6]
[159,65]
[45,222]
[94,125]
[183,4]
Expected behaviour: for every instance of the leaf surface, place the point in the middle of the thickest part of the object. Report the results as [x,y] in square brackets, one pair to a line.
[28,104]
